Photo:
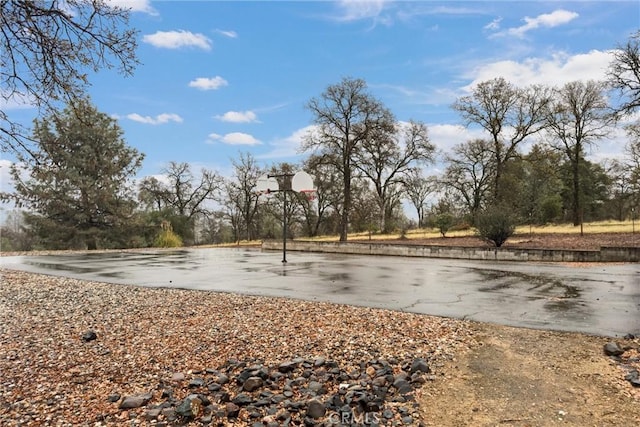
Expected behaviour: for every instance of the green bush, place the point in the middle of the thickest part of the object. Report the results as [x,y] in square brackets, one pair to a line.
[550,209]
[495,225]
[167,239]
[443,223]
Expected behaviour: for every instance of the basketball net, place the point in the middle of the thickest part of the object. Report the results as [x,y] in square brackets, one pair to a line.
[310,195]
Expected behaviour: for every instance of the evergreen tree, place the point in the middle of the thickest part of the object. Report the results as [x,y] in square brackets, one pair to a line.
[77,187]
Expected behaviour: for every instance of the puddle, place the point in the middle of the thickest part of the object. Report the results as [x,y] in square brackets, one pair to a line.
[556,294]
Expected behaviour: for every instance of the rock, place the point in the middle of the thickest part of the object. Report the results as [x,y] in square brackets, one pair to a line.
[113,397]
[130,402]
[89,336]
[612,348]
[177,377]
[242,399]
[252,383]
[633,377]
[290,393]
[287,367]
[153,414]
[379,381]
[316,409]
[190,407]
[283,415]
[402,386]
[371,371]
[169,414]
[316,387]
[196,382]
[242,377]
[222,379]
[629,337]
[231,410]
[420,365]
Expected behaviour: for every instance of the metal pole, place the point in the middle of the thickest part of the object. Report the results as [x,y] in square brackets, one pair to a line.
[284,228]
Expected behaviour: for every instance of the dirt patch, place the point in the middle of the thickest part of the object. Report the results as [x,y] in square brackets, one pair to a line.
[522,377]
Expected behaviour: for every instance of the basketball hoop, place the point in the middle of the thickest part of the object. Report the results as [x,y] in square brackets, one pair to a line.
[264,195]
[310,195]
[300,182]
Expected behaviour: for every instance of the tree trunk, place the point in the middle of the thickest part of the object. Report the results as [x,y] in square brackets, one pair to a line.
[344,220]
[577,217]
[92,244]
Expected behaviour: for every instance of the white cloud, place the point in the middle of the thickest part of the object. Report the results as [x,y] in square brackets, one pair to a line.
[557,70]
[355,10]
[548,20]
[16,101]
[238,117]
[5,178]
[493,25]
[230,34]
[446,136]
[177,39]
[233,138]
[289,146]
[157,120]
[207,83]
[143,6]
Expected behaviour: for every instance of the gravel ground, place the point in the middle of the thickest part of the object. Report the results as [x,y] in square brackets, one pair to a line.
[147,339]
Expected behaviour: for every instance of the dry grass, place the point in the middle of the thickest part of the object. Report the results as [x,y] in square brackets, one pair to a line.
[428,233]
[433,233]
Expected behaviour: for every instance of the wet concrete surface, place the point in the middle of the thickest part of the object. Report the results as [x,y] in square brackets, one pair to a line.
[602,299]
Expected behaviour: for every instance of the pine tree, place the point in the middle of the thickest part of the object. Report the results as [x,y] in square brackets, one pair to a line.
[77,189]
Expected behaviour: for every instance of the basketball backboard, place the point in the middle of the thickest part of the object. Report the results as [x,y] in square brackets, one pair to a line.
[302,181]
[266,185]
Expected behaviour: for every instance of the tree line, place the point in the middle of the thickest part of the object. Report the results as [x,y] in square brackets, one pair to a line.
[75,178]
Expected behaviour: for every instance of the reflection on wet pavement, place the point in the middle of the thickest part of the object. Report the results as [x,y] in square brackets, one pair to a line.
[599,299]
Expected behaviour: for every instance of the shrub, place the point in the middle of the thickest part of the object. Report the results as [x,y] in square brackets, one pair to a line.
[495,225]
[444,222]
[167,239]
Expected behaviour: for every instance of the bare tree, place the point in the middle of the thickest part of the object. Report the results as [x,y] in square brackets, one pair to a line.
[470,173]
[620,187]
[345,115]
[327,193]
[417,188]
[577,118]
[239,196]
[509,114]
[386,159]
[624,74]
[47,49]
[632,162]
[183,192]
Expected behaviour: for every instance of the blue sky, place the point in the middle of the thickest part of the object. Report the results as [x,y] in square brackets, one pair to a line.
[220,77]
